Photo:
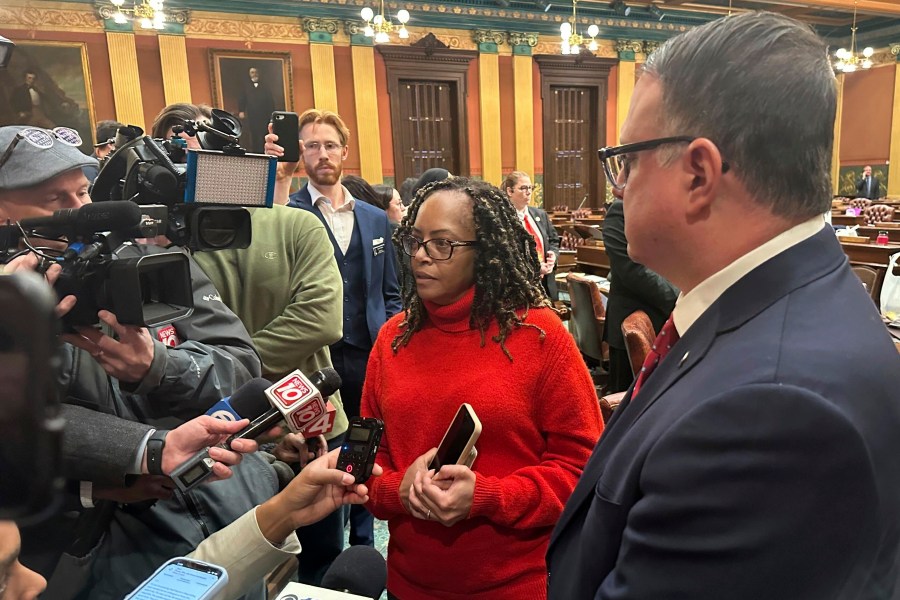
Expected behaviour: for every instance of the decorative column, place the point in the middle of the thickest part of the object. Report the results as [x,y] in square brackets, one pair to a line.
[893,186]
[126,81]
[523,99]
[625,81]
[175,75]
[489,102]
[321,54]
[836,153]
[368,136]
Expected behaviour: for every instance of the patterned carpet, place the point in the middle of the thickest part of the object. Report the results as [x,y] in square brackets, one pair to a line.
[381,541]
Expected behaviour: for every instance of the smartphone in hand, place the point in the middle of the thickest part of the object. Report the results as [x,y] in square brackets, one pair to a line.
[286,125]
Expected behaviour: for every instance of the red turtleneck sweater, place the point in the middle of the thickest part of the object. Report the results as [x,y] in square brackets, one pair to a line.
[540,420]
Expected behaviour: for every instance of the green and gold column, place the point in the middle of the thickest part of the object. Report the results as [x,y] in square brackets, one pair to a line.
[489,102]
[321,52]
[624,81]
[836,153]
[362,54]
[893,186]
[126,81]
[523,98]
[175,75]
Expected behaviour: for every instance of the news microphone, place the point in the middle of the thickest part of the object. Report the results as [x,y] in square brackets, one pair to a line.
[299,401]
[249,401]
[359,570]
[90,218]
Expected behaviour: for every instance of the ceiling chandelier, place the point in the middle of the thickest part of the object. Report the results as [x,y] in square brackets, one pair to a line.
[849,61]
[149,13]
[380,27]
[572,41]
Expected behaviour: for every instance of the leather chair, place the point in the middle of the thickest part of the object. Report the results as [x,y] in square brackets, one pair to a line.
[609,403]
[637,329]
[588,317]
[872,280]
[878,213]
[860,203]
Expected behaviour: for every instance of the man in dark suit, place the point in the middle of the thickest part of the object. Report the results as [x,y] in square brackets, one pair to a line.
[30,103]
[361,236]
[255,106]
[518,188]
[631,287]
[754,457]
[868,185]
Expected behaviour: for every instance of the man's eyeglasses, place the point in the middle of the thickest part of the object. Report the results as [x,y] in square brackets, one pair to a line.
[440,249]
[330,147]
[617,159]
[42,139]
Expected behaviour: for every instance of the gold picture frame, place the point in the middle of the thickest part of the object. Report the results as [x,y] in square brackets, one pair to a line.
[62,79]
[233,90]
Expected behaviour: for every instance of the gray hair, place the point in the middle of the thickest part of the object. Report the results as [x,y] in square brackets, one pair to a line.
[760,86]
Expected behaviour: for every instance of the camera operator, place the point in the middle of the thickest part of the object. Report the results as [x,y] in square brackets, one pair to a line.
[160,376]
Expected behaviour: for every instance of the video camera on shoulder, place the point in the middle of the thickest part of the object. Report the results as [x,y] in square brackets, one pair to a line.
[204,191]
[103,268]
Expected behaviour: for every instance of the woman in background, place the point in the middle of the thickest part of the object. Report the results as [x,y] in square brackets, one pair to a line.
[477,328]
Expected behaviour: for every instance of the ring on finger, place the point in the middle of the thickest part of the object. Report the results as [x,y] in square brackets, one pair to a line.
[428,516]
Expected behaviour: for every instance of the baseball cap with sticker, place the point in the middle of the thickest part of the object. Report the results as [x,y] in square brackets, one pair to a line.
[32,155]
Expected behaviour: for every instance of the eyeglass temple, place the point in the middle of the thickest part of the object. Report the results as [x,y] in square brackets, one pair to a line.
[9,150]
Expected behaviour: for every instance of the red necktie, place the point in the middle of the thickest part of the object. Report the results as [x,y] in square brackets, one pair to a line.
[667,337]
[537,238]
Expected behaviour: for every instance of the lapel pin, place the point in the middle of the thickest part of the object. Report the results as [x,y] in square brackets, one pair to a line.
[684,358]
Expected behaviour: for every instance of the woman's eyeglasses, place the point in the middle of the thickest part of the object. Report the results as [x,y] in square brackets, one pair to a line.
[440,249]
[42,139]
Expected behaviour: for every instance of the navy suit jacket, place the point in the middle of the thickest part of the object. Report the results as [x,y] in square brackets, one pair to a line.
[551,244]
[382,290]
[760,460]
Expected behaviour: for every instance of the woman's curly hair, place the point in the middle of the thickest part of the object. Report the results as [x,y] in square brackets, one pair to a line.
[507,269]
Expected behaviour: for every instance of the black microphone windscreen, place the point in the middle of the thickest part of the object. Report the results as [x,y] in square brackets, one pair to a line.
[249,400]
[359,570]
[107,216]
[327,381]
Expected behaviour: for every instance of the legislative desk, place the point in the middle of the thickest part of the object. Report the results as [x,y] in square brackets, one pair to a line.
[871,232]
[592,259]
[872,254]
[847,220]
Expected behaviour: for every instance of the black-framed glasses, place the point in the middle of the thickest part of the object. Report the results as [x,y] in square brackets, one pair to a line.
[440,249]
[41,139]
[617,160]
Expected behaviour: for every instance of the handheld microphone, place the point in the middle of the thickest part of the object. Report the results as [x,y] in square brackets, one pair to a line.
[300,402]
[89,219]
[359,570]
[248,401]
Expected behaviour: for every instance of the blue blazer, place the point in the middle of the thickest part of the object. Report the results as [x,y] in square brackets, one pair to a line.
[382,290]
[760,460]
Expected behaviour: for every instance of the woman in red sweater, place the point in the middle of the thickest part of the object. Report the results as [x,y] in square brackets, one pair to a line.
[477,329]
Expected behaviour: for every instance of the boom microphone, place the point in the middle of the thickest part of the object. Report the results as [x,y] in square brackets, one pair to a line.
[90,218]
[359,570]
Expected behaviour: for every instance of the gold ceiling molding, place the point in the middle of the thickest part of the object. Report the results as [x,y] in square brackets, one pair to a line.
[33,17]
[548,44]
[260,29]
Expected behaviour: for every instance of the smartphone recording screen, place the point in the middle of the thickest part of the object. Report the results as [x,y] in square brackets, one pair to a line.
[450,450]
[178,582]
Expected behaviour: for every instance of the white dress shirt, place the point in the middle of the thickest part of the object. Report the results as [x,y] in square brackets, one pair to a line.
[340,221]
[689,307]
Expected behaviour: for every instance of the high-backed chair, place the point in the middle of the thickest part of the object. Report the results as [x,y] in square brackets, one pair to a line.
[860,203]
[872,279]
[609,403]
[588,317]
[639,335]
[878,213]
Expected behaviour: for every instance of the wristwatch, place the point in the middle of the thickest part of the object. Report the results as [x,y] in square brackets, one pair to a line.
[155,446]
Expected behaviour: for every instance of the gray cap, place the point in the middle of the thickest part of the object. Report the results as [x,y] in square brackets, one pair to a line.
[28,165]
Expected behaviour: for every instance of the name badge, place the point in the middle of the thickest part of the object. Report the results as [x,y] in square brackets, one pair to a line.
[379,249]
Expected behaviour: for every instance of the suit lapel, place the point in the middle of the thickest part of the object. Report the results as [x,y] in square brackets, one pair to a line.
[541,225]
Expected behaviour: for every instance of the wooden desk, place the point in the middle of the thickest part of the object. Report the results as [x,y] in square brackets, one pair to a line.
[870,253]
[847,220]
[592,220]
[872,233]
[566,261]
[592,259]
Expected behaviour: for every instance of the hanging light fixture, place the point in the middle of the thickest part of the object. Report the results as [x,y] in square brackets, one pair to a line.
[849,61]
[149,13]
[380,27]
[572,41]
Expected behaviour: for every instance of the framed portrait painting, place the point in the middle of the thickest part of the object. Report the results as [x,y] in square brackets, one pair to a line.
[251,85]
[48,84]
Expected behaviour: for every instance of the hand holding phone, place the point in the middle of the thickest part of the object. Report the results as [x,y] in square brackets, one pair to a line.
[182,578]
[286,125]
[459,441]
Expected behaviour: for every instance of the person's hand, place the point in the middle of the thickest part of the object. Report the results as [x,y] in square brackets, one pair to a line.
[432,497]
[284,170]
[418,465]
[29,262]
[316,492]
[189,438]
[144,487]
[548,264]
[295,448]
[127,358]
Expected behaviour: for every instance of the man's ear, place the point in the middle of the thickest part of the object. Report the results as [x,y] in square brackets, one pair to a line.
[703,162]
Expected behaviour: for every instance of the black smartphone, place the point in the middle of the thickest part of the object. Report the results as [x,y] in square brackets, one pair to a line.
[458,444]
[286,125]
[360,446]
